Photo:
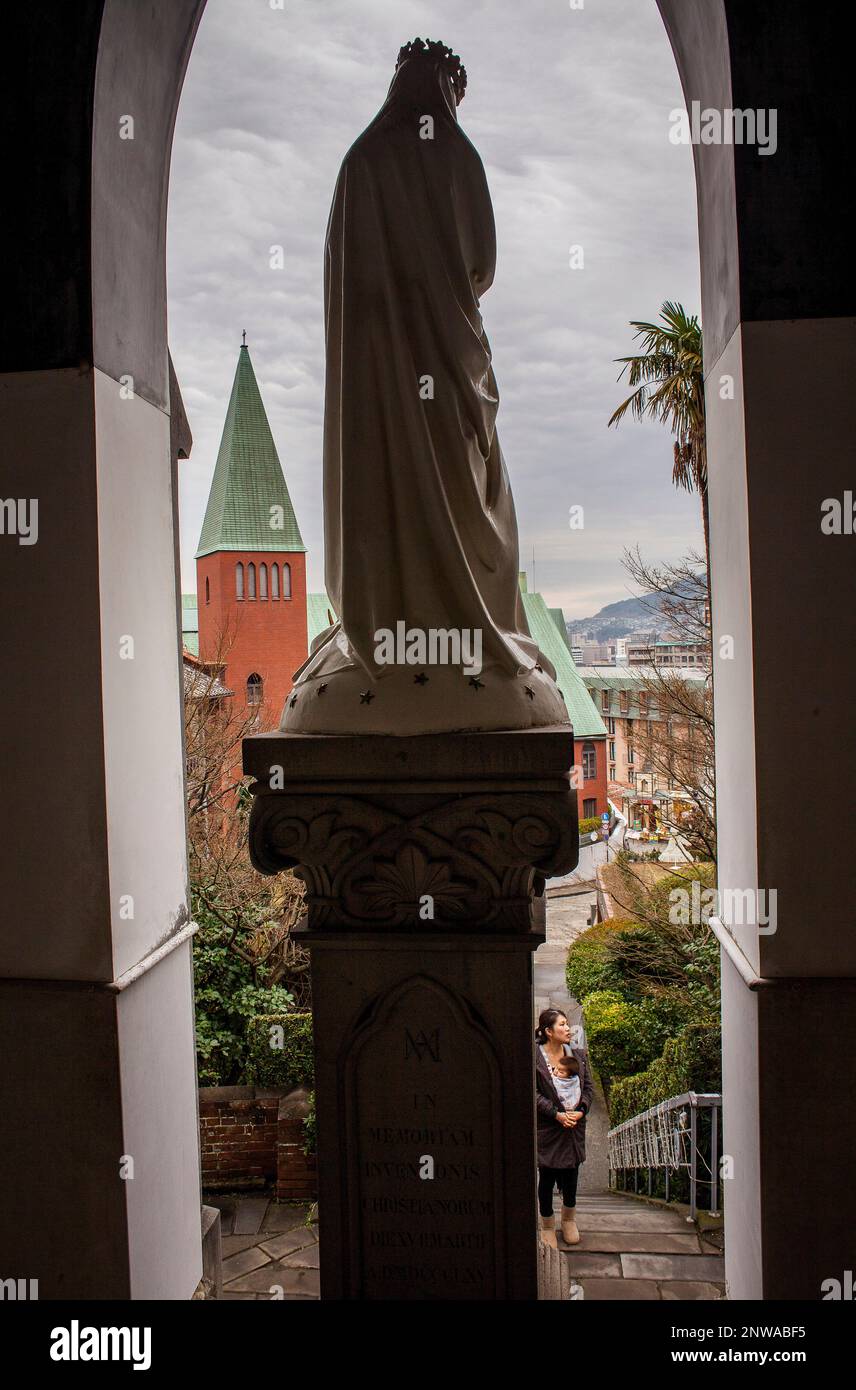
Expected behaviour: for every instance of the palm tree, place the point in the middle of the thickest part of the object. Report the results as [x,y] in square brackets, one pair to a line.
[668,381]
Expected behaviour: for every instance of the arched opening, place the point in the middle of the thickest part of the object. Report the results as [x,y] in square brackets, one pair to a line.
[263,581]
[251,580]
[255,689]
[239,581]
[286,580]
[91,248]
[207,589]
[274,581]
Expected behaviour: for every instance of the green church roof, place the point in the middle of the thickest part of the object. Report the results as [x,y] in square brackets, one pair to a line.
[319,610]
[545,629]
[248,480]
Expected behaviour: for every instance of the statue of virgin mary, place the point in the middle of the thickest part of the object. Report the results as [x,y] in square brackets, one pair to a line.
[420,528]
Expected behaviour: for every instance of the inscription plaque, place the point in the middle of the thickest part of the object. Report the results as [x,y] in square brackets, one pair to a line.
[422,1093]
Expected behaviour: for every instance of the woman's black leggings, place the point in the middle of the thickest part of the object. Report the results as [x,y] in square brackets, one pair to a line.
[563,1178]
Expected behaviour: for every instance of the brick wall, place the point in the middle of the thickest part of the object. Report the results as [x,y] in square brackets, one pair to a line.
[593,788]
[296,1176]
[254,1138]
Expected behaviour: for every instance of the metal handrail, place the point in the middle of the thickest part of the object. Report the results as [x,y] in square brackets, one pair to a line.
[655,1140]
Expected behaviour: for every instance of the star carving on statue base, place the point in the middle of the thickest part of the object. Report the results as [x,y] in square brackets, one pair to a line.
[529,691]
[293,701]
[322,687]
[421,679]
[366,697]
[476,683]
[539,668]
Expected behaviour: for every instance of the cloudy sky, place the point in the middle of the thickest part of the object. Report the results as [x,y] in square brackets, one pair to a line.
[569,109]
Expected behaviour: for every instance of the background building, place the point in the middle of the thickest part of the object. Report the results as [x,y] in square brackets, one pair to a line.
[626,703]
[251,561]
[671,654]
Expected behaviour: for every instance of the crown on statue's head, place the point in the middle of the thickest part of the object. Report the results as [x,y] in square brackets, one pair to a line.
[437,52]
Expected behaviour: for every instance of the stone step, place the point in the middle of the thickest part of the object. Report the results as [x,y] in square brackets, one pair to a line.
[690,1290]
[595,1264]
[629,1289]
[638,1221]
[647,1242]
[693,1267]
[587,1203]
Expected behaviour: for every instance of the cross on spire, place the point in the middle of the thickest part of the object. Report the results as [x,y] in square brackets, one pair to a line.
[244,338]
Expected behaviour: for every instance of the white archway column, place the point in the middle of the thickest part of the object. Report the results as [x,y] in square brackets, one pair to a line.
[780,353]
[100,1170]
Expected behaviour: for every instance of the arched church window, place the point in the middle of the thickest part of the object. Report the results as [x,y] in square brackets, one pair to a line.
[286,581]
[255,689]
[251,581]
[274,581]
[239,580]
[207,590]
[262,581]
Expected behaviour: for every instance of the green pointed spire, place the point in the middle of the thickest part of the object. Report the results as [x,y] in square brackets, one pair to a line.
[248,483]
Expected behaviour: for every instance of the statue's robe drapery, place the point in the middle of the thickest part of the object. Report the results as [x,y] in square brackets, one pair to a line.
[419,517]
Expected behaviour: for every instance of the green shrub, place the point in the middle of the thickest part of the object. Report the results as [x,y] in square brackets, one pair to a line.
[625,1037]
[279,1047]
[226,997]
[591,963]
[589,824]
[310,1135]
[691,1061]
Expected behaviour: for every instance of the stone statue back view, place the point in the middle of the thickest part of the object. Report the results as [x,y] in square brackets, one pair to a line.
[421,540]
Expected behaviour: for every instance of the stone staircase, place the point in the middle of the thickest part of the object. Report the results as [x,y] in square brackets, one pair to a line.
[634,1249]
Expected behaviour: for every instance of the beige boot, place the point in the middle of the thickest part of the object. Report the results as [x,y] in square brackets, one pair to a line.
[570,1232]
[548,1231]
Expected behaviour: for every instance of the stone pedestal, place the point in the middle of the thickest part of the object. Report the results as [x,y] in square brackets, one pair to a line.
[424,861]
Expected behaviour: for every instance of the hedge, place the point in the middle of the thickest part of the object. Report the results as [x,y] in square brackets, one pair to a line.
[625,1037]
[591,964]
[692,1061]
[590,823]
[279,1048]
[310,1132]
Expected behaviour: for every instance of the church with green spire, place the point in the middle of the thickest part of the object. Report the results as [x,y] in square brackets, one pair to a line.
[251,560]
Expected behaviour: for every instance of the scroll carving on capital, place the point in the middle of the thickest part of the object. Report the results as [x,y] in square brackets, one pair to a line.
[474,861]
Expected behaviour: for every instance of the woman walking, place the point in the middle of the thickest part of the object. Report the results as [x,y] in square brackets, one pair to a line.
[563,1095]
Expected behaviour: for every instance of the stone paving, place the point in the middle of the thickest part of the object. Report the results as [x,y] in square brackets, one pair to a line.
[631,1248]
[270,1249]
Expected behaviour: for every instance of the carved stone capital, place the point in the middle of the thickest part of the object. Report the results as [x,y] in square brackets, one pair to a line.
[414,852]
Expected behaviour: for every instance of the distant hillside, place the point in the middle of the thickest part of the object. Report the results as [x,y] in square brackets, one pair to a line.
[628,617]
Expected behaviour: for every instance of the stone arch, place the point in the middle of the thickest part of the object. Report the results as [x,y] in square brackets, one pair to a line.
[85,304]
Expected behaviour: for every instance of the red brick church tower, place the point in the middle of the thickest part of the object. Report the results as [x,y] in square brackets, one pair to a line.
[251,560]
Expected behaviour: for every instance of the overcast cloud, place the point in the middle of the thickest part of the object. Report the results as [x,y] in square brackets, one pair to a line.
[569,110]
